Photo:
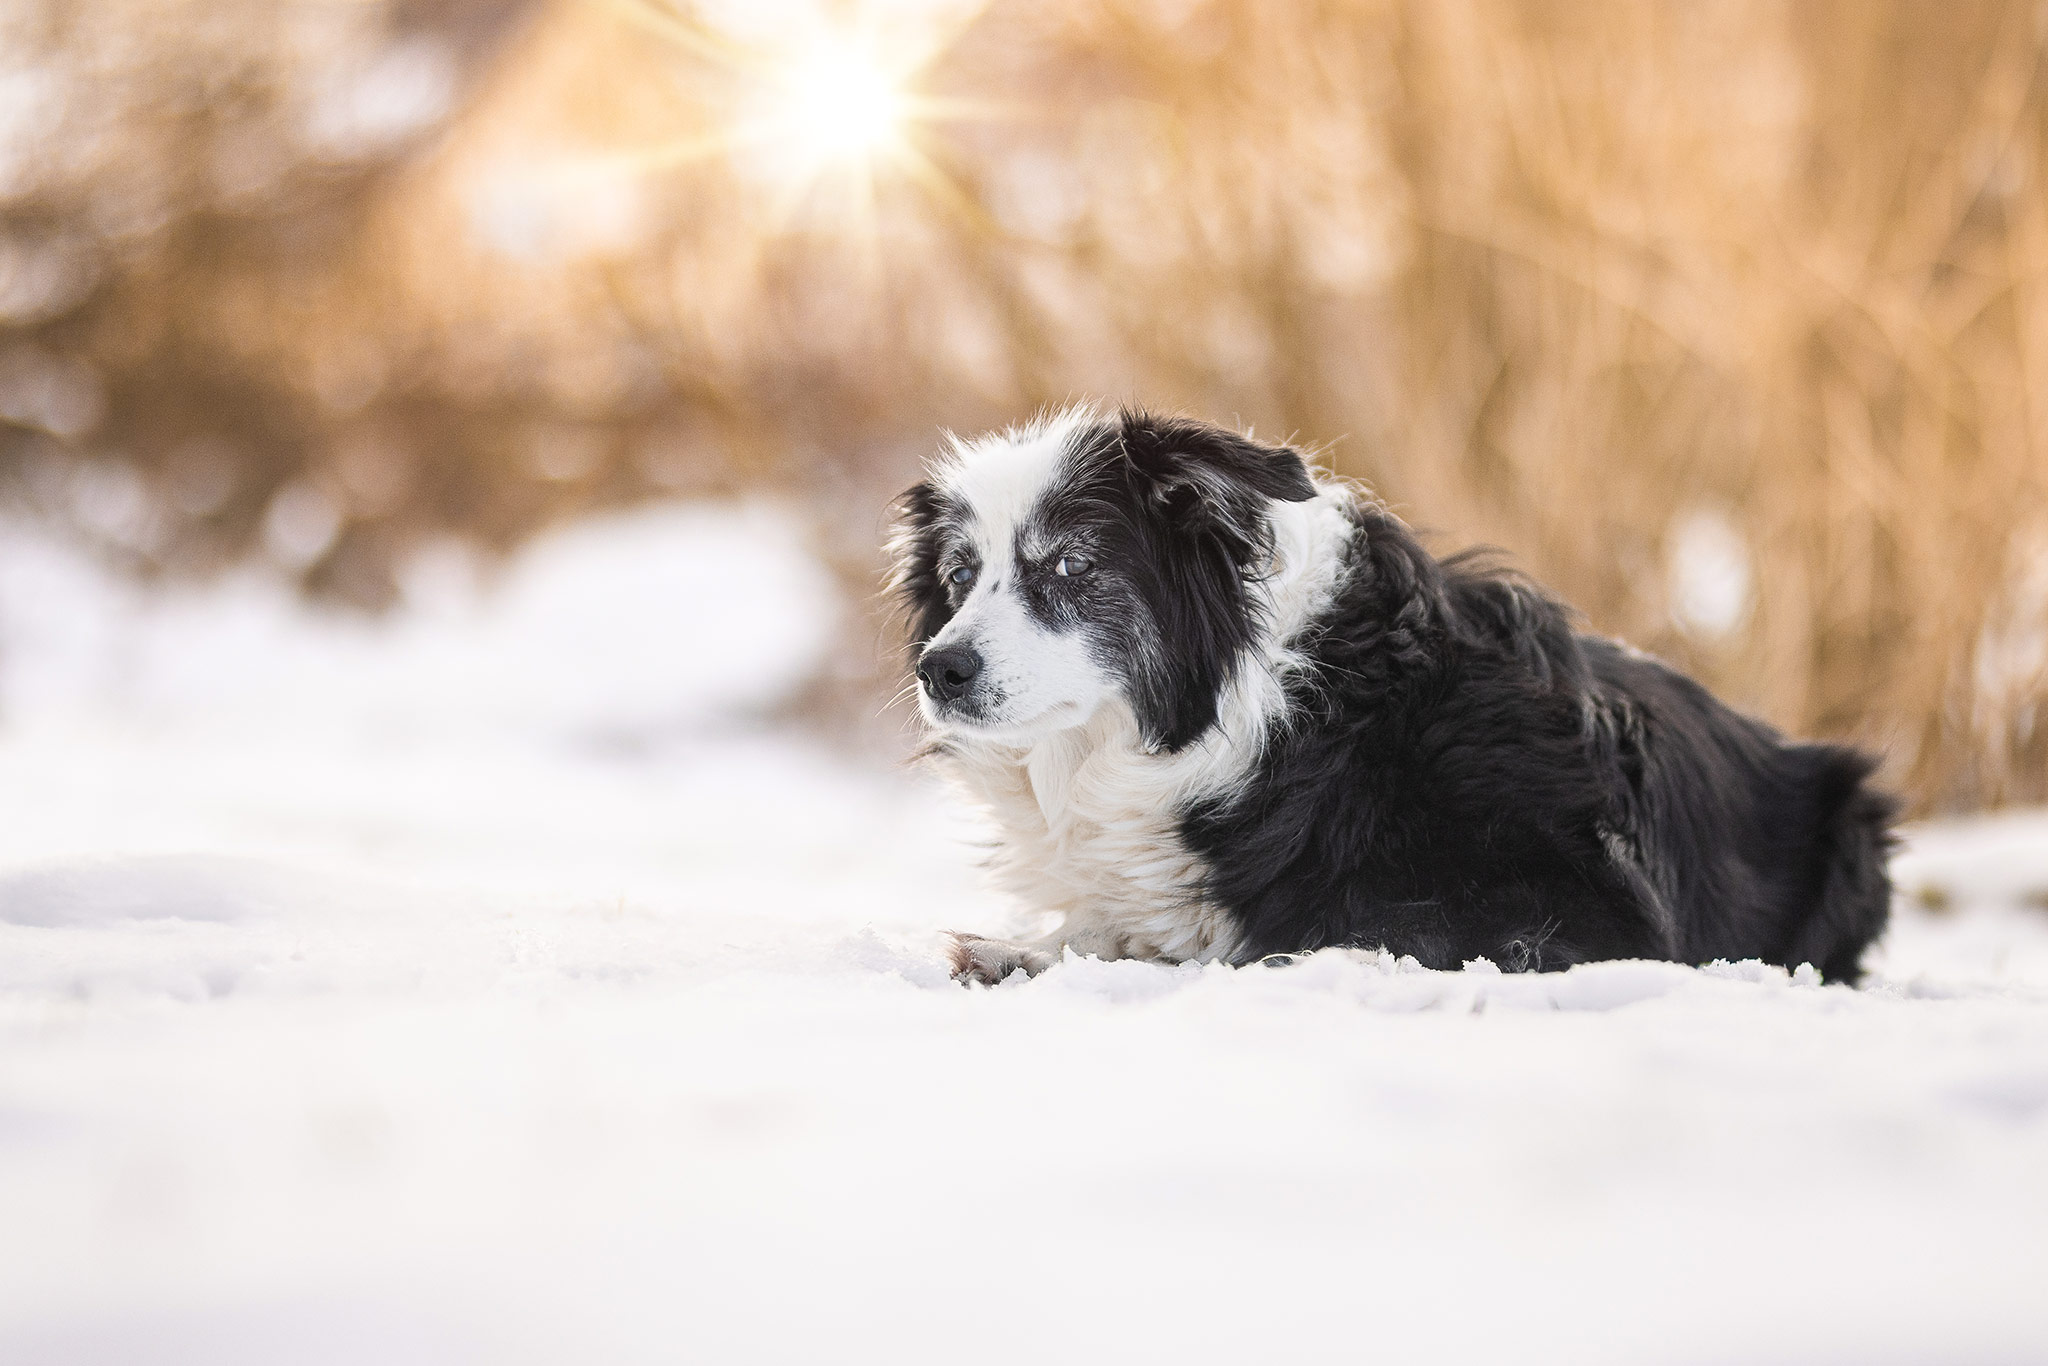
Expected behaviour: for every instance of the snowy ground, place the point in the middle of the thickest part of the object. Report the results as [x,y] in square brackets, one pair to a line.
[485,985]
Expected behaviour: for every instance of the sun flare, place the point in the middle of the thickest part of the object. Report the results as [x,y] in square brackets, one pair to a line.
[838,105]
[829,104]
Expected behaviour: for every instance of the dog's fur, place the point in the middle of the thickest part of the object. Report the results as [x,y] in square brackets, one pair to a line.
[1222,709]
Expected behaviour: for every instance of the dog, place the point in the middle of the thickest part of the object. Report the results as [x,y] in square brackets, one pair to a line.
[1221,707]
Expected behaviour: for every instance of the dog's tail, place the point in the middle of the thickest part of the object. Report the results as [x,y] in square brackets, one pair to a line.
[1853,845]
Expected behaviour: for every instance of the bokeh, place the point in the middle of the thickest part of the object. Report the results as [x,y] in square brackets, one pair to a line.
[1726,320]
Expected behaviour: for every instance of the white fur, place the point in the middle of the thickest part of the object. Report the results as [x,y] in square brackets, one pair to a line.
[1086,814]
[1047,679]
[1003,475]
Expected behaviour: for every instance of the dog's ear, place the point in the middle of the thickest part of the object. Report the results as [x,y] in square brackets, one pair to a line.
[1209,479]
[1174,453]
[1207,498]
[914,552]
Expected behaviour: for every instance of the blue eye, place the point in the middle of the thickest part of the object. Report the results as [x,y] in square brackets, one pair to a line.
[1073,565]
[962,576]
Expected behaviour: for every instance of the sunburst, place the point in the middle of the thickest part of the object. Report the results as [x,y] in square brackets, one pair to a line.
[833,100]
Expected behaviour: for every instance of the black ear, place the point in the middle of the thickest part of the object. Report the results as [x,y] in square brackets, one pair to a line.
[1205,498]
[915,550]
[1211,480]
[1176,452]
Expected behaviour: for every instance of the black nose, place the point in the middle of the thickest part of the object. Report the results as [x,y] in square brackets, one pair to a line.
[947,674]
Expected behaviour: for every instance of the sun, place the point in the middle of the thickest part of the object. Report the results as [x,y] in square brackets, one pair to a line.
[826,104]
[838,105]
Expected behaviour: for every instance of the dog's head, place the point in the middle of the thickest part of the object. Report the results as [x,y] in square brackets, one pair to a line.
[1050,568]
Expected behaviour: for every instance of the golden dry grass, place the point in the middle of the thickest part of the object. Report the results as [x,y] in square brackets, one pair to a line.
[1569,278]
[1608,284]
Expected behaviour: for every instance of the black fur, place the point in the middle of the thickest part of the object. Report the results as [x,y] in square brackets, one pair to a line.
[1178,510]
[923,513]
[1460,774]
[1469,777]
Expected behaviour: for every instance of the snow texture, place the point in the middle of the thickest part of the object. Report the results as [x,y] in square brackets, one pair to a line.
[498,983]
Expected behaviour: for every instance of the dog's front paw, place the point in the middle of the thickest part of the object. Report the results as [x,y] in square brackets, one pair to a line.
[989,961]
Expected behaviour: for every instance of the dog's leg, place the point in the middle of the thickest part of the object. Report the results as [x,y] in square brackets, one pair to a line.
[976,959]
[989,961]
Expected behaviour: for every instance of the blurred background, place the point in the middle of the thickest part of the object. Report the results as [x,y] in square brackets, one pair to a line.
[1727,320]
[460,895]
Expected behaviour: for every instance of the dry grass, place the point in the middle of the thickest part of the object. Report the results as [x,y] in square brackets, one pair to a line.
[1781,262]
[1573,278]
[1591,281]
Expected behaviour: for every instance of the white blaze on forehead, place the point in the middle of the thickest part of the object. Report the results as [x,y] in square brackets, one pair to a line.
[1004,476]
[1031,674]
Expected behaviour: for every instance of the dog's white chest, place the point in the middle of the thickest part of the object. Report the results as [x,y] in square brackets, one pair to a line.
[1089,827]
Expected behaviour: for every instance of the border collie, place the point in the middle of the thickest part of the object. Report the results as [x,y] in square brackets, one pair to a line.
[1222,708]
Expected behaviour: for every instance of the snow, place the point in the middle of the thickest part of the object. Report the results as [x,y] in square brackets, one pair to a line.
[501,982]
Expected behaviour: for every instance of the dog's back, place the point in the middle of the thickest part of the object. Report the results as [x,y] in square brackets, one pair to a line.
[1468,776]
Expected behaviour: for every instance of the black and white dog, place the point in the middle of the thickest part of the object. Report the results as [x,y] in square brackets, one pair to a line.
[1220,708]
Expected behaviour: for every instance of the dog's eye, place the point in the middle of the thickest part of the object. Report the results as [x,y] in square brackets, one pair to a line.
[961,576]
[1073,565]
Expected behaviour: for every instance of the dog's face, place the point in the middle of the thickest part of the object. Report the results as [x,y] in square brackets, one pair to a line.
[1050,569]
